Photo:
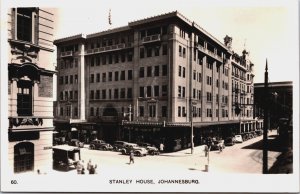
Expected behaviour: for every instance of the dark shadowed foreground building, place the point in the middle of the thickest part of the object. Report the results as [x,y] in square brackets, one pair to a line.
[147,81]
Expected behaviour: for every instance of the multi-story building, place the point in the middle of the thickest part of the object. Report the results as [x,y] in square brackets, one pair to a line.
[280,101]
[30,88]
[149,81]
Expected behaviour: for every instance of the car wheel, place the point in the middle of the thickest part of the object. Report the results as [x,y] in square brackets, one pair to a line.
[123,152]
[138,154]
[104,148]
[92,147]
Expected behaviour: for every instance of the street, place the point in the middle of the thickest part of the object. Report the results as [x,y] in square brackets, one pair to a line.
[239,158]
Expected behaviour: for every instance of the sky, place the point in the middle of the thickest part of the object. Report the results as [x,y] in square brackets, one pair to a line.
[267,29]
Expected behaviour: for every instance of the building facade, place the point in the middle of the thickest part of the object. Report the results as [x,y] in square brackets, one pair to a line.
[149,81]
[280,101]
[30,88]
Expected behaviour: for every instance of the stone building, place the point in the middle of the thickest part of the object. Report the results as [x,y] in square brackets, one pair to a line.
[149,80]
[30,88]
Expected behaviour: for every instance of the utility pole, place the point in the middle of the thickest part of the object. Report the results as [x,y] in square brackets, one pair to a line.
[266,118]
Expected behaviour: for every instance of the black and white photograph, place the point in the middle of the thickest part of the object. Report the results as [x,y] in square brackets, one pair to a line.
[150,96]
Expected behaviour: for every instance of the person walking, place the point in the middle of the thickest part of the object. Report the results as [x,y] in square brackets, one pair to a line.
[161,147]
[89,164]
[79,167]
[206,150]
[131,157]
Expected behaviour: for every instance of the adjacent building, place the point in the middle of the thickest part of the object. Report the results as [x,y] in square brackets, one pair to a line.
[30,88]
[149,81]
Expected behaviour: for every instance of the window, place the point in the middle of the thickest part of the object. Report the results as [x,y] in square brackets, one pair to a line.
[180,54]
[194,93]
[109,94]
[116,58]
[75,94]
[76,79]
[183,52]
[71,79]
[92,78]
[75,112]
[24,24]
[164,70]
[61,80]
[23,156]
[141,111]
[142,54]
[217,112]
[116,93]
[156,51]
[24,98]
[179,71]
[156,91]
[66,95]
[122,57]
[103,77]
[183,112]
[104,60]
[97,61]
[61,111]
[129,56]
[97,94]
[194,74]
[142,72]
[122,95]
[71,95]
[142,93]
[217,83]
[116,76]
[183,92]
[164,49]
[149,52]
[66,79]
[152,111]
[179,111]
[61,96]
[92,94]
[76,62]
[149,71]
[164,111]
[129,74]
[208,112]
[98,77]
[109,76]
[156,70]
[183,72]
[92,111]
[179,91]
[129,92]
[68,110]
[149,93]
[199,112]
[104,94]
[164,90]
[92,62]
[110,59]
[97,111]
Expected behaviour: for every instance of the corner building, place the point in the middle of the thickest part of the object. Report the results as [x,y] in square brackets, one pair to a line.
[30,88]
[148,81]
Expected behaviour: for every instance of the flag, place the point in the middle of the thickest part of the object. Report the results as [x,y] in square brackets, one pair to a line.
[109,17]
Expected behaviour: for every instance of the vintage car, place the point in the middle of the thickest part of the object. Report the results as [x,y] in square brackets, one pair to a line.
[152,150]
[217,144]
[65,156]
[132,147]
[118,145]
[238,139]
[229,141]
[76,142]
[100,145]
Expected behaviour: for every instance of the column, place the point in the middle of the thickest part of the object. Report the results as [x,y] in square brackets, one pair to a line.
[81,81]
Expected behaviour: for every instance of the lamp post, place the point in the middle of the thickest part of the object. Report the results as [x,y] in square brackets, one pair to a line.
[266,118]
[192,124]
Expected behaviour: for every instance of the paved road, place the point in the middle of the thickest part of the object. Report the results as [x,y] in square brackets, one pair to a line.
[240,158]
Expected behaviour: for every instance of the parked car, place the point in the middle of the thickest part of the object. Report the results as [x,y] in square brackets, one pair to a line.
[238,139]
[76,142]
[152,150]
[217,144]
[229,141]
[65,156]
[118,145]
[100,145]
[132,147]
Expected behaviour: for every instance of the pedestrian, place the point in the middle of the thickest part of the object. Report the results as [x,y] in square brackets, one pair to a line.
[220,148]
[131,157]
[93,169]
[79,167]
[83,171]
[161,147]
[89,165]
[206,150]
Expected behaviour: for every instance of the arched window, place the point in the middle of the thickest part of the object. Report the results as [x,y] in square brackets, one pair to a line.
[23,157]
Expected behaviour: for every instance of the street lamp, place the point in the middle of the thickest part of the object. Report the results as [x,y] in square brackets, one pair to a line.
[193,103]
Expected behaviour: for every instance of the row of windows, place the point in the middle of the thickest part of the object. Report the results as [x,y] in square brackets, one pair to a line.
[68,95]
[109,59]
[110,41]
[109,76]
[153,71]
[72,79]
[153,51]
[111,93]
[182,51]
[66,63]
[153,91]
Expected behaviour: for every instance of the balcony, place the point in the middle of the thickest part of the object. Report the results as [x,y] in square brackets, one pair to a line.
[150,39]
[108,48]
[66,54]
[208,52]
